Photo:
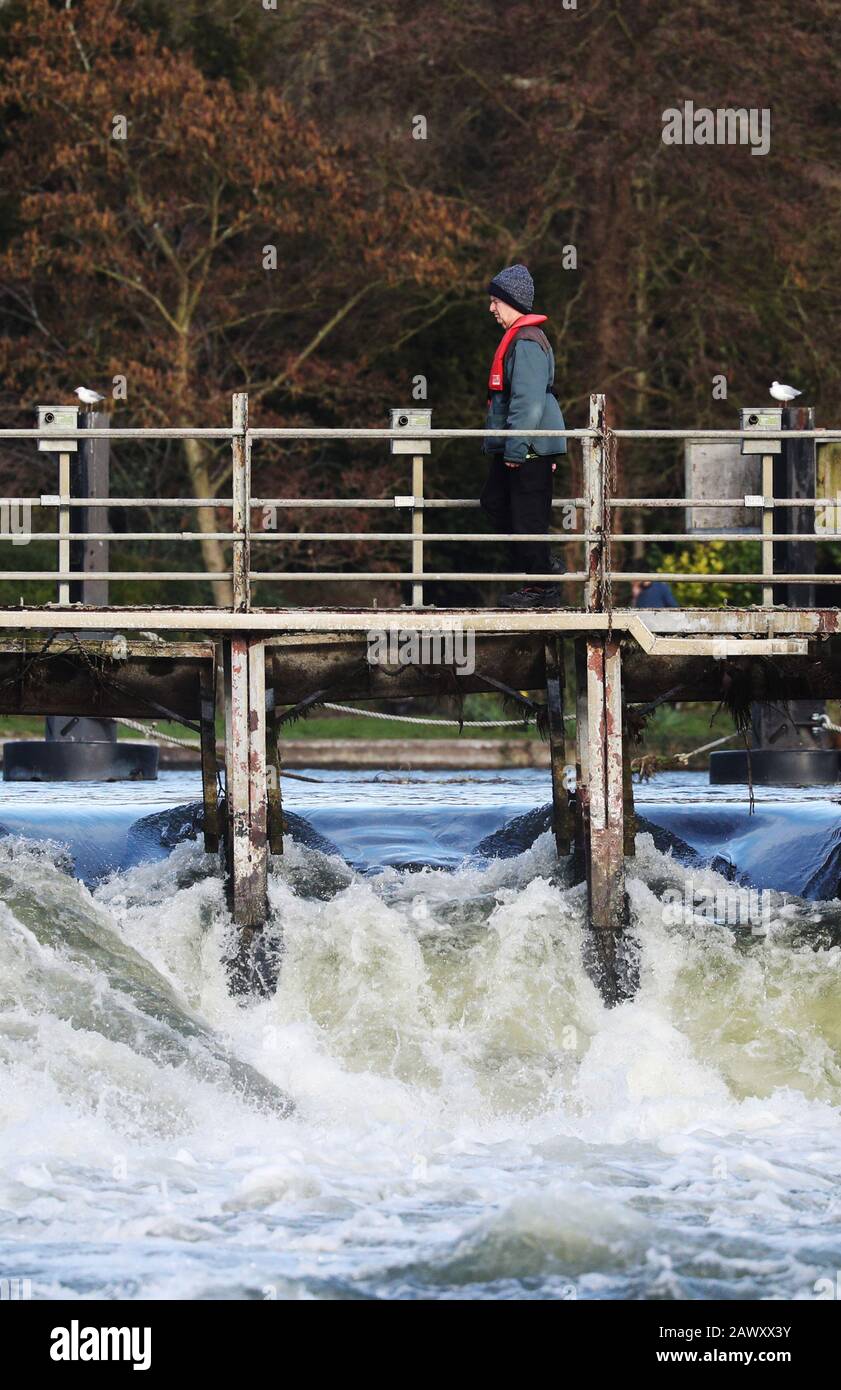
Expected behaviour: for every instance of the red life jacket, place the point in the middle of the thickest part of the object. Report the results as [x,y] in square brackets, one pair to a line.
[495,380]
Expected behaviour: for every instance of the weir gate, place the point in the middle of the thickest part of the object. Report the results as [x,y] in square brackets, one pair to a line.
[91,659]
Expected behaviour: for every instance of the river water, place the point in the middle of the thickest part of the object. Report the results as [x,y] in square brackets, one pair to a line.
[469,1120]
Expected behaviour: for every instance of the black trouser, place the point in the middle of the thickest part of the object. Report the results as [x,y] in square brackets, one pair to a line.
[519,502]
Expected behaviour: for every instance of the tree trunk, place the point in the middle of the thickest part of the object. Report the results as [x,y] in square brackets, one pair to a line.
[213,551]
[641,322]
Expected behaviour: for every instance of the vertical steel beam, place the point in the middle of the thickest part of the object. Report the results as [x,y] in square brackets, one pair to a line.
[257,785]
[209,768]
[555,676]
[90,477]
[235,655]
[605,847]
[417,528]
[273,726]
[594,466]
[629,820]
[245,780]
[63,528]
[581,808]
[767,528]
[796,476]
[241,496]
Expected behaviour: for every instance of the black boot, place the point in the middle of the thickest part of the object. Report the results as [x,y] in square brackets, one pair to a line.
[533,596]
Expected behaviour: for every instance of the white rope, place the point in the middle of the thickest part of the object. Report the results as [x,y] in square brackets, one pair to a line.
[823,721]
[154,733]
[147,729]
[421,719]
[342,709]
[705,747]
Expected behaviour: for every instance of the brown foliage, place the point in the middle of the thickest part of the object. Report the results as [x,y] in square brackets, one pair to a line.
[144,257]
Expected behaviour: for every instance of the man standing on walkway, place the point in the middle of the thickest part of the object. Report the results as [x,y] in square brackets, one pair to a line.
[517,495]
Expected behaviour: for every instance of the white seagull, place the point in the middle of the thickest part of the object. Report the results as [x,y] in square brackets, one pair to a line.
[783,393]
[86,396]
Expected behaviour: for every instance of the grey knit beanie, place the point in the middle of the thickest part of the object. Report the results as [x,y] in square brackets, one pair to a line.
[514,286]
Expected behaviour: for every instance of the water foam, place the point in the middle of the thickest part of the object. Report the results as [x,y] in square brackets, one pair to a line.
[470,1120]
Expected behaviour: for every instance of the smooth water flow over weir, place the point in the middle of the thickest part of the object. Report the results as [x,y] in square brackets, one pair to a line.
[469,1119]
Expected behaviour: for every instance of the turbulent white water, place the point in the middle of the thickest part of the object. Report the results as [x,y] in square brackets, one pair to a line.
[469,1121]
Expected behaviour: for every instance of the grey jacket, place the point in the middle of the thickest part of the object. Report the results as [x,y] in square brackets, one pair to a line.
[526,401]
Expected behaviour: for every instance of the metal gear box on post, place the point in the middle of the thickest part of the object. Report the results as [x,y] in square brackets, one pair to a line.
[761,418]
[409,420]
[58,417]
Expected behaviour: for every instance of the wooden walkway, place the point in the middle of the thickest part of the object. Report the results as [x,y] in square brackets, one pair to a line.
[277,659]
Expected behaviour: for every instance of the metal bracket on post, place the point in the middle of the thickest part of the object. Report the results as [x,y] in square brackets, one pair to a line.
[241,485]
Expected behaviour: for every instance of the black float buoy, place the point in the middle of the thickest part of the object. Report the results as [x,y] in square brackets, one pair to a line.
[105,760]
[781,767]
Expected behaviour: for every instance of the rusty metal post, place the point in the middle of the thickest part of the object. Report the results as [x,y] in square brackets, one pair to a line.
[245,782]
[241,496]
[257,782]
[63,528]
[275,802]
[209,767]
[605,840]
[555,676]
[417,529]
[629,819]
[581,804]
[767,528]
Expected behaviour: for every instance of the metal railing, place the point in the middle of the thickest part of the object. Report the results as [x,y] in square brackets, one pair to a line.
[596,506]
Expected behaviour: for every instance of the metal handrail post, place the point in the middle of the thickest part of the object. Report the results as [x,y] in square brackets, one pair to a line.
[241,490]
[767,527]
[594,465]
[63,529]
[417,528]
